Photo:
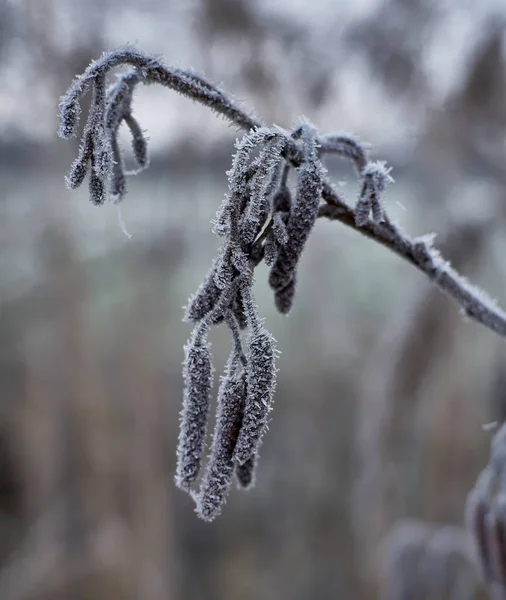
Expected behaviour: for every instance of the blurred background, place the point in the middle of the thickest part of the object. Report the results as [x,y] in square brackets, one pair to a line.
[383,389]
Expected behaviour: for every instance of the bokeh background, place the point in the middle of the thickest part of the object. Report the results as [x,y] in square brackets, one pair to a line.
[377,433]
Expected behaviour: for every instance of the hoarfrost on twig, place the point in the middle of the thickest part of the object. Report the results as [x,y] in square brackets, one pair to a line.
[258,220]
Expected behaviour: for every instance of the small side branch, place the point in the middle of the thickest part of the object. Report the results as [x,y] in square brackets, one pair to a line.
[419,252]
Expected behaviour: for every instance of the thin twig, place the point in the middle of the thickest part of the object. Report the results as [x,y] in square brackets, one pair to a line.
[418,251]
[421,255]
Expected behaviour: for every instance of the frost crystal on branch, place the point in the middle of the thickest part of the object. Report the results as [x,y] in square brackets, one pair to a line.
[198,376]
[260,219]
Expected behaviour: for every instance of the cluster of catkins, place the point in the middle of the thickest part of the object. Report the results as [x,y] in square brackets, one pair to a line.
[99,153]
[260,219]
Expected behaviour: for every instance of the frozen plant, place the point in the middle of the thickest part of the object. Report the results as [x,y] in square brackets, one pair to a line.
[260,219]
[486,517]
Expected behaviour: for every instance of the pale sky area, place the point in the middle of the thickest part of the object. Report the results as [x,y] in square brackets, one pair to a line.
[175,38]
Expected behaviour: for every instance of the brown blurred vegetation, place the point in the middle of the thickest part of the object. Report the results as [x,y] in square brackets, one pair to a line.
[376,435]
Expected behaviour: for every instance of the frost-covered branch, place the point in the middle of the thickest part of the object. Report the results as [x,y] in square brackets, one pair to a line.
[260,219]
[475,303]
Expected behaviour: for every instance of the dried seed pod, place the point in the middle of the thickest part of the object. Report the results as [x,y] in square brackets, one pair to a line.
[252,184]
[221,225]
[270,249]
[261,382]
[303,213]
[378,210]
[69,119]
[139,143]
[376,179]
[102,151]
[95,147]
[377,175]
[117,189]
[76,174]
[216,482]
[245,473]
[229,214]
[119,100]
[240,261]
[79,168]
[362,208]
[262,185]
[205,298]
[238,310]
[276,238]
[279,228]
[282,199]
[97,189]
[278,235]
[277,179]
[224,272]
[103,159]
[198,377]
[239,174]
[283,299]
